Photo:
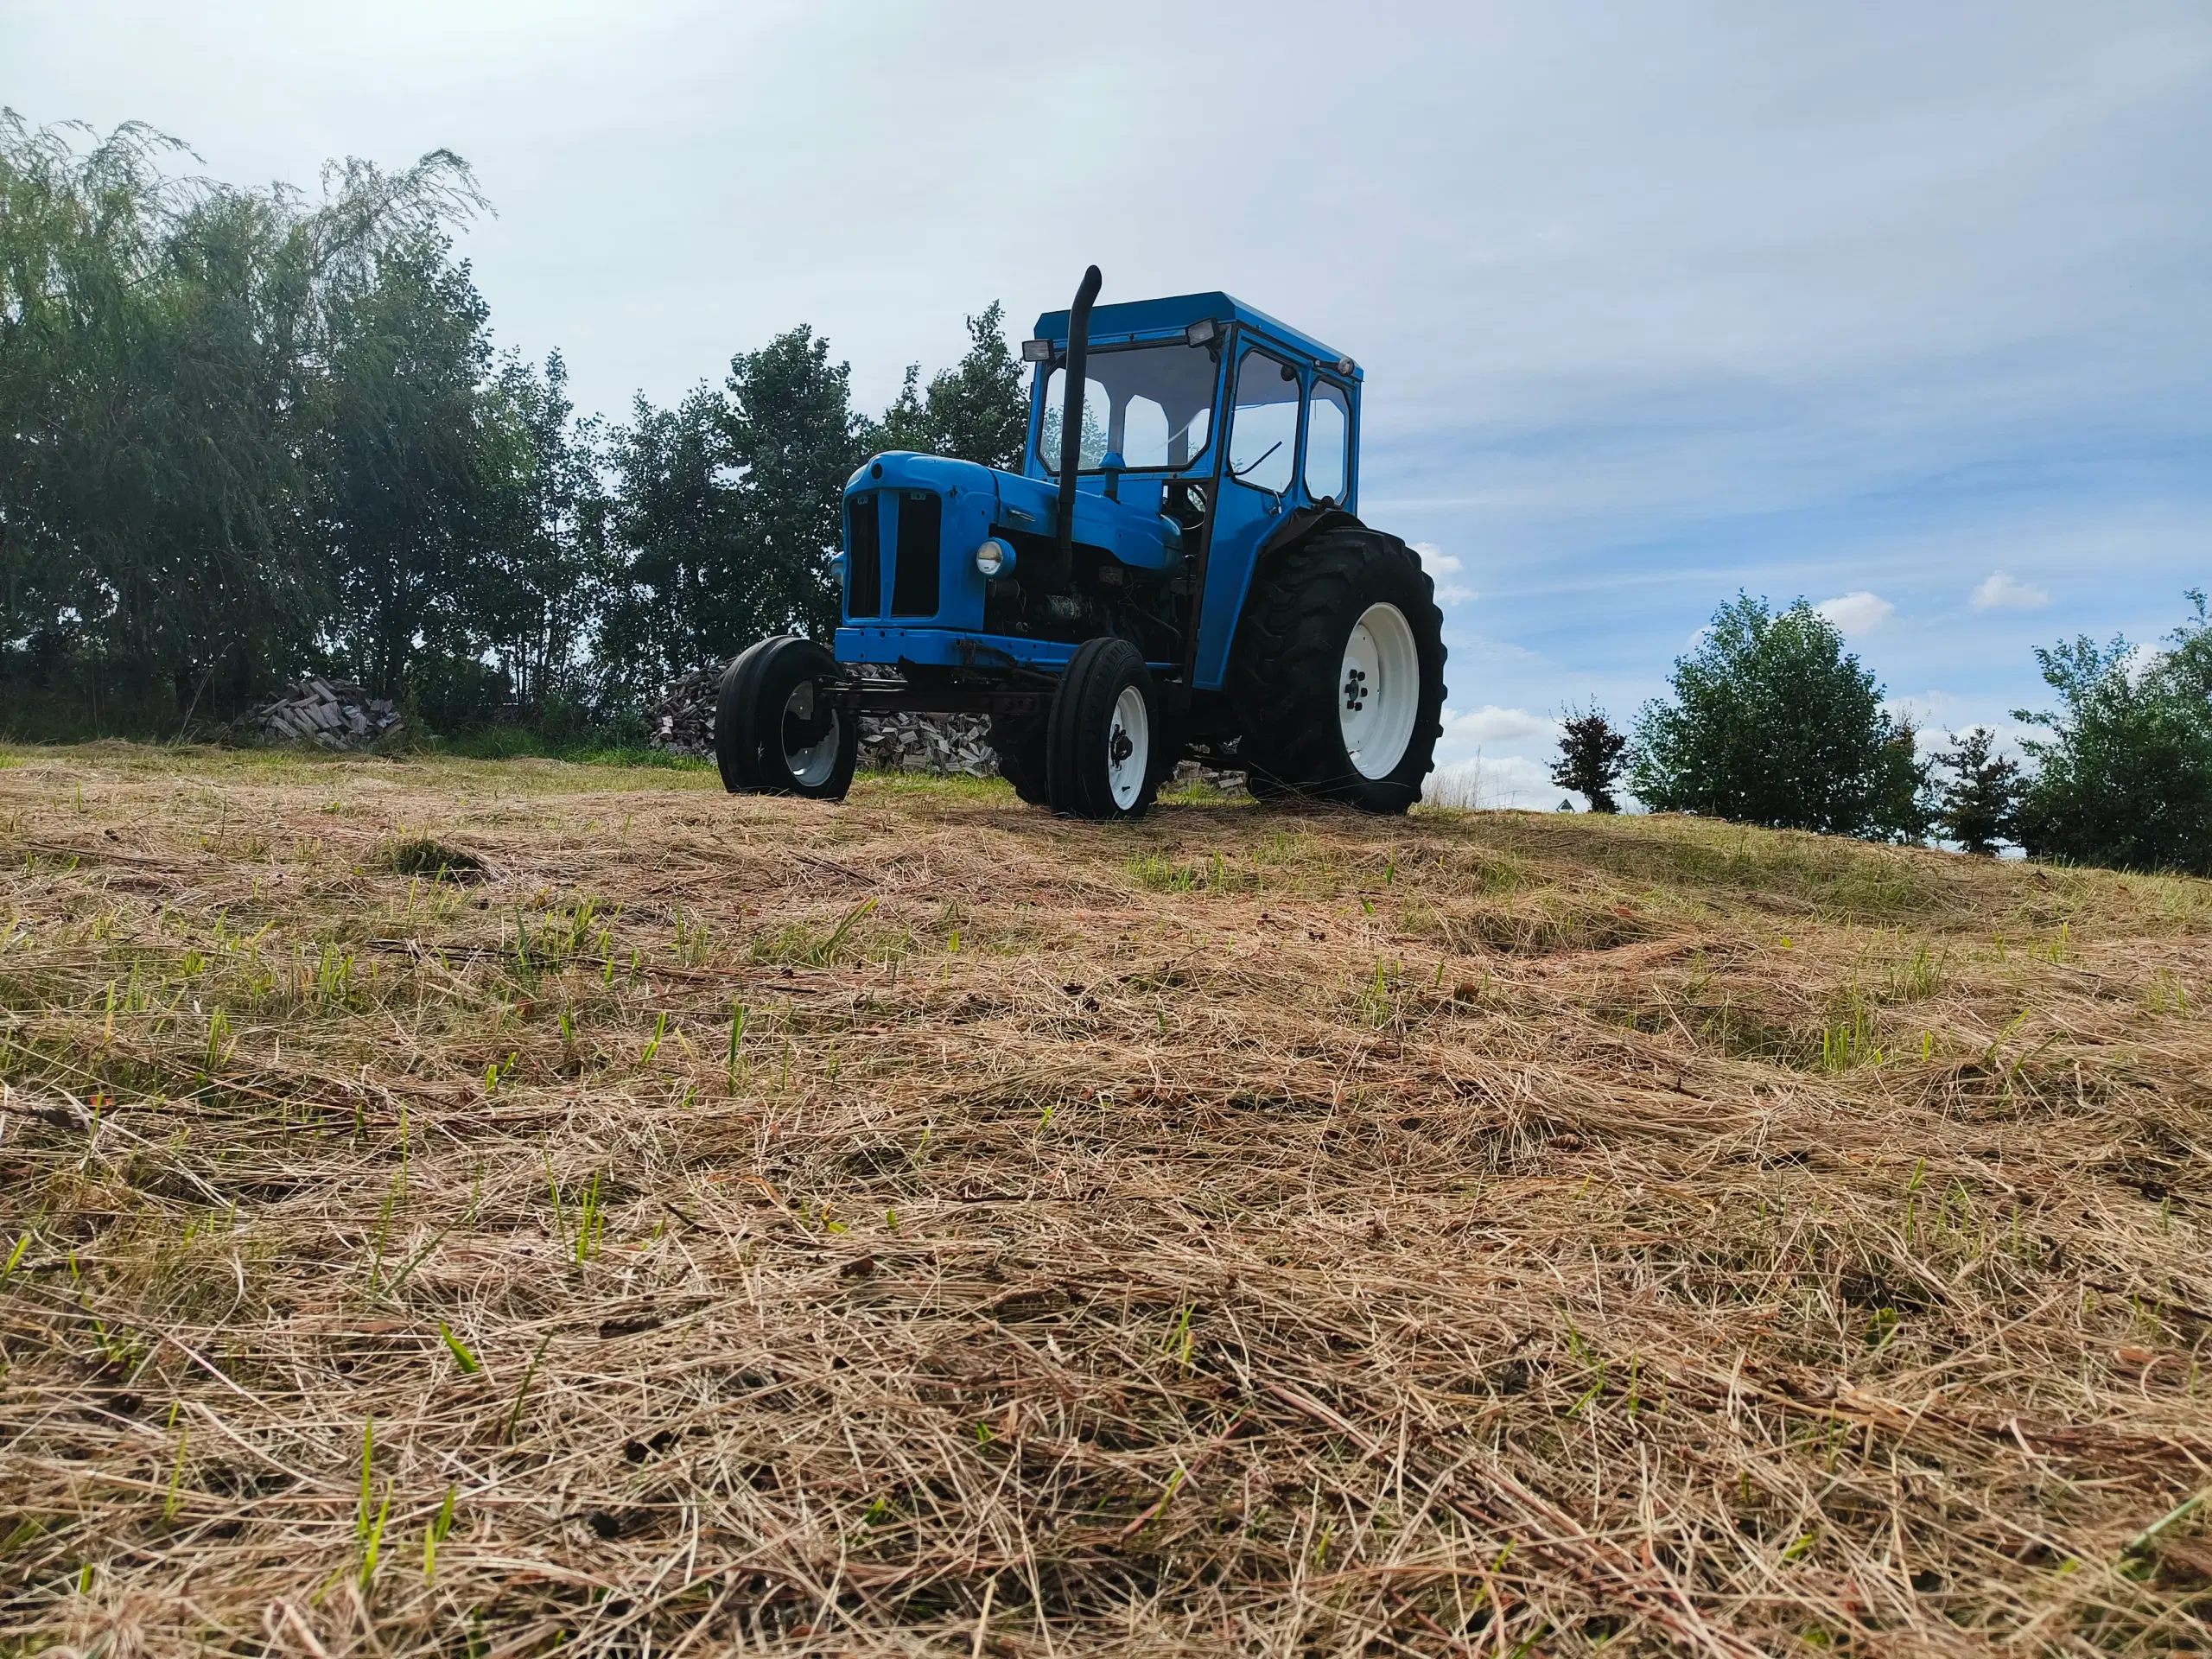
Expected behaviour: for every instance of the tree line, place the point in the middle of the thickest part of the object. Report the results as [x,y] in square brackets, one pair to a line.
[1772,721]
[245,435]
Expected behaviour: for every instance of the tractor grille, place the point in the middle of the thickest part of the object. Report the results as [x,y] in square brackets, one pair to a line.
[864,558]
[914,575]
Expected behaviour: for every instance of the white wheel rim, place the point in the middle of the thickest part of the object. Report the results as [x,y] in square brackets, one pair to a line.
[1378,691]
[809,764]
[1129,748]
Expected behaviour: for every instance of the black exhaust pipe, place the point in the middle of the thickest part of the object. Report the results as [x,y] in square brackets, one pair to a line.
[1071,415]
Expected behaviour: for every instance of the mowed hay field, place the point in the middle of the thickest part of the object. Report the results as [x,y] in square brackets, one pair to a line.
[496,1208]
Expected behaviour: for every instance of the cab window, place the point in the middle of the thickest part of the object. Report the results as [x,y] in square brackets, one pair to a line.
[1263,429]
[1328,442]
[1149,404]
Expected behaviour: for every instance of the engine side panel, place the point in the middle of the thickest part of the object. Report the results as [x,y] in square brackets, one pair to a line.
[912,524]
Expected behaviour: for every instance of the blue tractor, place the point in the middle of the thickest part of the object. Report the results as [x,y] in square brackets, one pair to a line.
[1178,569]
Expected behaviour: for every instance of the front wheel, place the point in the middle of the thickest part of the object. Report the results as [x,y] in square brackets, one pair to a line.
[732,701]
[777,732]
[1338,674]
[1019,742]
[1103,742]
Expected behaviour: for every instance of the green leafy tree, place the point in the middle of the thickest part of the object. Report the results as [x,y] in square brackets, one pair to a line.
[1592,756]
[545,565]
[397,460]
[1980,799]
[2125,778]
[977,410]
[1774,722]
[727,505]
[164,344]
[686,596]
[728,510]
[795,439]
[1903,807]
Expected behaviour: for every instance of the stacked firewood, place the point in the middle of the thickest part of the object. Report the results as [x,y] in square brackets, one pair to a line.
[1228,780]
[682,721]
[947,743]
[334,714]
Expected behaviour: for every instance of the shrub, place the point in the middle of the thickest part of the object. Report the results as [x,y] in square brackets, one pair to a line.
[1980,799]
[1592,756]
[1774,722]
[2126,776]
[449,694]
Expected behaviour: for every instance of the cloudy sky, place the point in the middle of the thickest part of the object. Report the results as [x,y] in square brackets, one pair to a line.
[1906,308]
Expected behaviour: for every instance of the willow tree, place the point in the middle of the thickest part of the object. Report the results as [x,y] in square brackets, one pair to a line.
[399,430]
[163,340]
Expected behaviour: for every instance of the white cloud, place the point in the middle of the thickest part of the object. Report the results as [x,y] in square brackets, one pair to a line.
[1439,564]
[1933,715]
[1436,561]
[1857,613]
[1511,781]
[1492,724]
[2003,591]
[1468,648]
[1471,739]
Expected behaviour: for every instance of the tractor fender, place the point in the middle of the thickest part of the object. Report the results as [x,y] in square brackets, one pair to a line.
[1299,524]
[1296,526]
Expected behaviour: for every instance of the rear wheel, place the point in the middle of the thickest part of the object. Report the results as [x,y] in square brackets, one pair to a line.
[778,727]
[1340,673]
[1103,740]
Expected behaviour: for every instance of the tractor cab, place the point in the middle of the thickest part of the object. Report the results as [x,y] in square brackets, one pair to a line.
[1183,533]
[1204,425]
[1209,414]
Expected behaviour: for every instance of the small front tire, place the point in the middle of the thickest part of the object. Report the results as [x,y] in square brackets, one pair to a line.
[777,729]
[1103,737]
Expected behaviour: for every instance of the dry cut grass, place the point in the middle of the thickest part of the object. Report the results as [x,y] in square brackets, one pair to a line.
[491,1209]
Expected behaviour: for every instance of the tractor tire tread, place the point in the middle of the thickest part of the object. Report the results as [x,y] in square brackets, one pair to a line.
[1020,744]
[1290,648]
[1082,711]
[734,750]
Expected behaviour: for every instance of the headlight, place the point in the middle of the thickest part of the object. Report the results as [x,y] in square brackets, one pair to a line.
[994,557]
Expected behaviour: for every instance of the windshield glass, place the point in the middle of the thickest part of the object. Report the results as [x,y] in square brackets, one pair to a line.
[1152,405]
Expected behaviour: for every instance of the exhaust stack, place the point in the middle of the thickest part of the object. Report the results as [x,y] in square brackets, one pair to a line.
[1071,413]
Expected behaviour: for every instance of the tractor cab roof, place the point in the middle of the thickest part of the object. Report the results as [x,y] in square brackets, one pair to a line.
[1134,320]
